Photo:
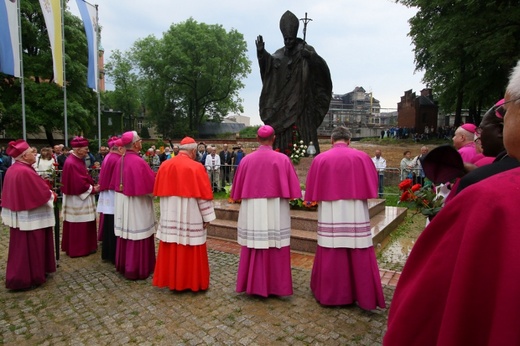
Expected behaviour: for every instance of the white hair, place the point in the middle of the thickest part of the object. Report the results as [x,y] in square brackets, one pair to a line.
[135,138]
[513,88]
[188,147]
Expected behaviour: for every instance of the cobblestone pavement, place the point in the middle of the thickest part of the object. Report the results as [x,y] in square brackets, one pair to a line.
[86,302]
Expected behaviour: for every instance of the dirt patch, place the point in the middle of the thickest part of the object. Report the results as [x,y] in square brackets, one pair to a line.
[393,153]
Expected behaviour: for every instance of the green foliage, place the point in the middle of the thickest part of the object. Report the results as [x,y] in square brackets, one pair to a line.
[192,74]
[125,97]
[145,133]
[467,49]
[249,132]
[392,194]
[44,103]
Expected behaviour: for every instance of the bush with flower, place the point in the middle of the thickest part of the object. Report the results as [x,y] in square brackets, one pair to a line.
[300,203]
[423,198]
[298,152]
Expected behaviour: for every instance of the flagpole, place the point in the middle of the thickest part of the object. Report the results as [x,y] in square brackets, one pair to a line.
[97,77]
[22,79]
[66,133]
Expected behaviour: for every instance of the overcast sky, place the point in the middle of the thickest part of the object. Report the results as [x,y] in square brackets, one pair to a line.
[365,43]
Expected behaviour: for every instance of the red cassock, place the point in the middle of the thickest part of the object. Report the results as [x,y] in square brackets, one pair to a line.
[182,266]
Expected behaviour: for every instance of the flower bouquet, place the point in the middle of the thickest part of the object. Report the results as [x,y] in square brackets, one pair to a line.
[301,204]
[298,152]
[423,198]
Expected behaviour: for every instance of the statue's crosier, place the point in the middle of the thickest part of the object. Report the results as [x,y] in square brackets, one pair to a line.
[297,87]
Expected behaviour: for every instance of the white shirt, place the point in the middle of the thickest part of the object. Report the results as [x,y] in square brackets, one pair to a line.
[212,162]
[379,163]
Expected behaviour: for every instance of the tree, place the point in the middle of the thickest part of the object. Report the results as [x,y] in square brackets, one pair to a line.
[125,96]
[192,75]
[466,49]
[43,98]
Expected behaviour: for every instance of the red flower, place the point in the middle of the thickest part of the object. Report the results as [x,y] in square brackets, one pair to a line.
[416,187]
[405,196]
[405,184]
[277,149]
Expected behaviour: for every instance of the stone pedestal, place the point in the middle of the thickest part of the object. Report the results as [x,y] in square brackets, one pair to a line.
[302,168]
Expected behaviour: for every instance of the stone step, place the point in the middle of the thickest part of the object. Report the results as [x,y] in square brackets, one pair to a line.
[300,219]
[305,240]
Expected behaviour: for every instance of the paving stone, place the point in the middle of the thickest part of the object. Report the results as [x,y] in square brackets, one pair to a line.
[86,302]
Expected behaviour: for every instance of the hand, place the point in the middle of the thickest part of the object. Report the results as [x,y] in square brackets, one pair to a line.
[205,225]
[260,45]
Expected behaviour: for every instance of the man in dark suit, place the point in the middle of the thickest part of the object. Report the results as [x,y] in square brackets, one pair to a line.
[225,165]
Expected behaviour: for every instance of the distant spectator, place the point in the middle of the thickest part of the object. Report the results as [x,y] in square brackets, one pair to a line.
[62,157]
[213,168]
[418,167]
[45,163]
[225,165]
[201,153]
[156,160]
[103,151]
[407,165]
[166,155]
[238,155]
[380,164]
[89,159]
[175,150]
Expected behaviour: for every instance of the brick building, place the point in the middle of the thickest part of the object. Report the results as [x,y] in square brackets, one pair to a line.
[417,112]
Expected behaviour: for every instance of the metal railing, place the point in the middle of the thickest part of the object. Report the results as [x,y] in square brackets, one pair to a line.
[223,176]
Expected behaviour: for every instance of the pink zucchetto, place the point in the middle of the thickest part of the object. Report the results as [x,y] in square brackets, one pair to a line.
[112,141]
[126,138]
[16,148]
[265,131]
[469,127]
[79,142]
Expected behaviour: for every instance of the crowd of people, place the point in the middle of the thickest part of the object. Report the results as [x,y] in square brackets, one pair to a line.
[429,132]
[128,227]
[466,254]
[220,165]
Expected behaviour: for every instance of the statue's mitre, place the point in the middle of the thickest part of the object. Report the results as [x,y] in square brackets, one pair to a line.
[289,24]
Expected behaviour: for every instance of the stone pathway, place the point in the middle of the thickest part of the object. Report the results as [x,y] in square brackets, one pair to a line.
[87,303]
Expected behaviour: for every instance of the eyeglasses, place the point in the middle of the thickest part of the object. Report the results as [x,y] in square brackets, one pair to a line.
[500,111]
